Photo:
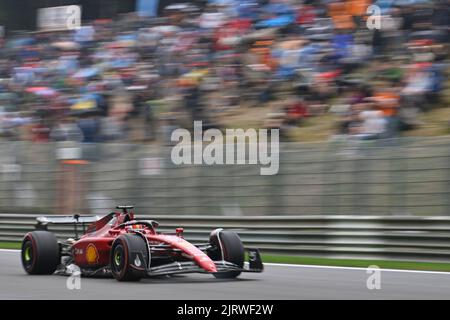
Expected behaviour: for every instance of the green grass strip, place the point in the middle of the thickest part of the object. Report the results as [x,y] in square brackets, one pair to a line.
[9,245]
[361,263]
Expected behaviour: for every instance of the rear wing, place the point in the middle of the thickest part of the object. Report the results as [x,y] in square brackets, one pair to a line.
[44,221]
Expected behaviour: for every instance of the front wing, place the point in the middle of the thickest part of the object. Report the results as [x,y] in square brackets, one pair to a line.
[253,265]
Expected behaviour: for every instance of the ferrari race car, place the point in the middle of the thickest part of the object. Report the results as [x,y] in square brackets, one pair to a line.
[129,250]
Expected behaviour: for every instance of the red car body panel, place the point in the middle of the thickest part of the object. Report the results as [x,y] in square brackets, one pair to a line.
[93,249]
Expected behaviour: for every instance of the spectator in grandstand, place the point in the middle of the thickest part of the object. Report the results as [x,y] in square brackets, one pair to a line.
[203,61]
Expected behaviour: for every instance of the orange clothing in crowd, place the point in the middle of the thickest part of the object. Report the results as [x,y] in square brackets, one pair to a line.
[342,13]
[388,102]
[358,8]
[263,50]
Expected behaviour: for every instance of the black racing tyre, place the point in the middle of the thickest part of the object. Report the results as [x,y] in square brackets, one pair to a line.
[40,252]
[127,253]
[231,245]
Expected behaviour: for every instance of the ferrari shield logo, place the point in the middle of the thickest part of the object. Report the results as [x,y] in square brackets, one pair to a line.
[91,254]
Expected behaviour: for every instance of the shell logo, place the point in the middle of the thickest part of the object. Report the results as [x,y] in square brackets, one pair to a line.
[91,254]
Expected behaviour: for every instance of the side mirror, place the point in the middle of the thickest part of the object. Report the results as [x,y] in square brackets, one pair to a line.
[154,223]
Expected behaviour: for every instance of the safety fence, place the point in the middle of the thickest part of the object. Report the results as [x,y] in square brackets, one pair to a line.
[368,237]
[340,177]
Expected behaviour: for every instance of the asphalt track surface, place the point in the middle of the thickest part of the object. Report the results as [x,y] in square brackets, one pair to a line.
[276,282]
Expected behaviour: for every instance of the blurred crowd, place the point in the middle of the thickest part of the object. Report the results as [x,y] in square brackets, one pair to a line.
[136,78]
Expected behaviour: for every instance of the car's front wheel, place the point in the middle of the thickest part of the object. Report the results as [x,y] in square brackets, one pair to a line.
[227,246]
[129,255]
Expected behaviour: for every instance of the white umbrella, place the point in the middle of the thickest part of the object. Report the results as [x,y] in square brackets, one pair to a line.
[66,45]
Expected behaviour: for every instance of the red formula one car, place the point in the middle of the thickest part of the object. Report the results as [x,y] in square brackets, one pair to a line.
[129,249]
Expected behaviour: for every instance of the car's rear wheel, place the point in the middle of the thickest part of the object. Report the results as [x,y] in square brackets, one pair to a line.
[227,246]
[40,252]
[127,253]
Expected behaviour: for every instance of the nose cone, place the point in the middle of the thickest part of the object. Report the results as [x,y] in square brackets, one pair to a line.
[211,267]
[206,263]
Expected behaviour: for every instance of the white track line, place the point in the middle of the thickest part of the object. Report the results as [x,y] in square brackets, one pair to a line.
[352,268]
[321,267]
[9,250]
